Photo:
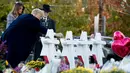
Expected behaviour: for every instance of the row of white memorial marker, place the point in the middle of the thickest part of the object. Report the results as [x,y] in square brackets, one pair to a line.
[70,51]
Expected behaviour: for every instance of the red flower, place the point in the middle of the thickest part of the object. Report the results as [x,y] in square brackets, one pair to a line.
[97,66]
[37,69]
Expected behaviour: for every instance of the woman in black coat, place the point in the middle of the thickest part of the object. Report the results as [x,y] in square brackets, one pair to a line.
[21,36]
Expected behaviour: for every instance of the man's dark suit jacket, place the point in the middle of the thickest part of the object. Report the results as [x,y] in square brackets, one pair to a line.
[49,24]
[21,36]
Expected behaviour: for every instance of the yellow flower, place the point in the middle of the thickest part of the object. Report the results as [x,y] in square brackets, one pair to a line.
[6,62]
[114,69]
[89,70]
[35,64]
[79,70]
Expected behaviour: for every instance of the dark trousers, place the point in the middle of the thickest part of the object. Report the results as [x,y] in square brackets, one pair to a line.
[37,50]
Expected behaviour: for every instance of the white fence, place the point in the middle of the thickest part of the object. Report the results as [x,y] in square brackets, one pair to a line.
[82,47]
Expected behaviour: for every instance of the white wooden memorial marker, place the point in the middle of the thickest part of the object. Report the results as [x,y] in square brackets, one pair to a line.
[48,43]
[97,48]
[83,48]
[68,48]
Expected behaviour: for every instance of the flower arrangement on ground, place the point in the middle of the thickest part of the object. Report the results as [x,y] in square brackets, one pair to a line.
[37,65]
[6,68]
[64,64]
[79,70]
[114,70]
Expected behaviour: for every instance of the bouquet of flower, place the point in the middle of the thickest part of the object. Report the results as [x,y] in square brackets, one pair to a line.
[3,50]
[9,70]
[65,66]
[19,67]
[2,65]
[79,70]
[37,65]
[114,70]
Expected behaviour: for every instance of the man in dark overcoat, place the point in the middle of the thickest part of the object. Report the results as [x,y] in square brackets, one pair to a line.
[21,36]
[47,22]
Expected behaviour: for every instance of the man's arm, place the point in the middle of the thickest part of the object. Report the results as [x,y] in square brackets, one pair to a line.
[43,29]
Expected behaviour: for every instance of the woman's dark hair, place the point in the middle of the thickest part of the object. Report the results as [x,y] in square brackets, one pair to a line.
[16,8]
